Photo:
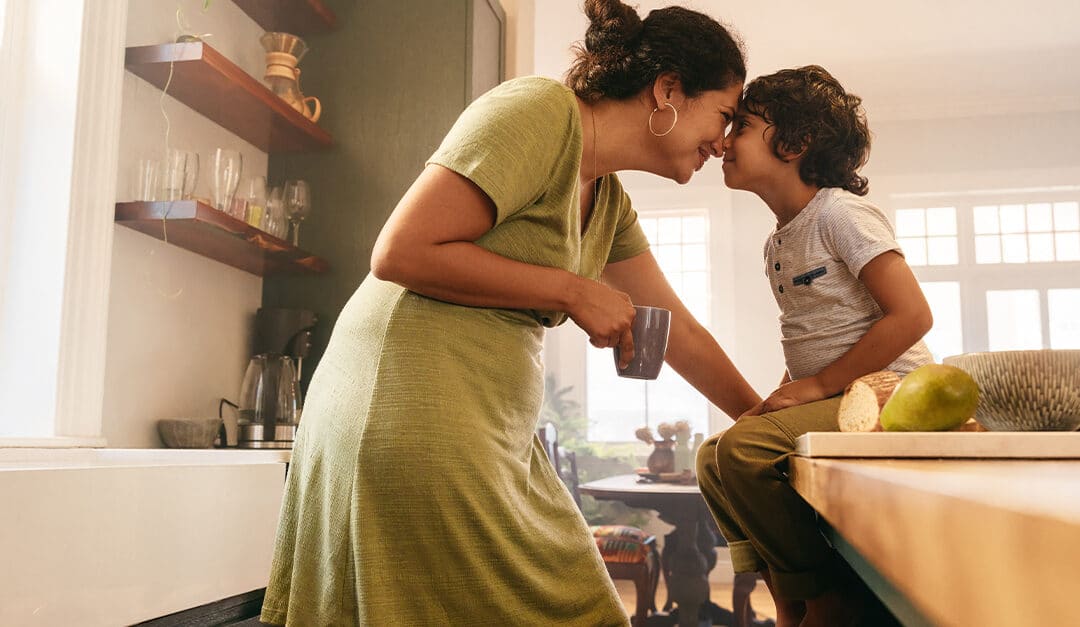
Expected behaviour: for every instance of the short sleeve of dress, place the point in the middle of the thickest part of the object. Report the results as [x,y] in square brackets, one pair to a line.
[629,239]
[509,140]
[856,232]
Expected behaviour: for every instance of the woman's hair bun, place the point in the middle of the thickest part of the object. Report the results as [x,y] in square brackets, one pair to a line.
[622,53]
[612,26]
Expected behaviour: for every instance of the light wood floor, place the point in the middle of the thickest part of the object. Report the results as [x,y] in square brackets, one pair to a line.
[719,593]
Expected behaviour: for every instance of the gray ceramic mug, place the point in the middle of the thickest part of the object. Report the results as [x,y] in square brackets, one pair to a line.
[650,331]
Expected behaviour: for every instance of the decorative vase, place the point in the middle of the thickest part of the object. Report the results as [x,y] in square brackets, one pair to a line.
[662,459]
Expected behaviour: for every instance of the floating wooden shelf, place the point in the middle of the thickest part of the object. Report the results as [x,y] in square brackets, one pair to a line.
[202,229]
[206,81]
[298,17]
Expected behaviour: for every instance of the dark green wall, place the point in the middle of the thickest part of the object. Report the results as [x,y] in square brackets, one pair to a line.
[392,80]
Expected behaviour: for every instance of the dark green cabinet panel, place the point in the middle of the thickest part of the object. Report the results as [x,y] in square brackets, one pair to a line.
[392,77]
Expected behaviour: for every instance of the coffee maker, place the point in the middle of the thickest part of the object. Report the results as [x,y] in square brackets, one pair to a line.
[270,402]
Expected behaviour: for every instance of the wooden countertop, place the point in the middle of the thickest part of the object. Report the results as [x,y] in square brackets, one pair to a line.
[968,542]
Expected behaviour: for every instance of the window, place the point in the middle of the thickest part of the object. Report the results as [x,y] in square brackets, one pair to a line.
[1013,320]
[617,406]
[999,270]
[1036,232]
[3,10]
[1064,314]
[947,336]
[928,236]
[58,146]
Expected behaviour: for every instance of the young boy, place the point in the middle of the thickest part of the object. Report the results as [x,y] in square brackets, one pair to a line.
[849,305]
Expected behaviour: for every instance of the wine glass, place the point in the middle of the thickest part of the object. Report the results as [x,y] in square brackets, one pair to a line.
[297,199]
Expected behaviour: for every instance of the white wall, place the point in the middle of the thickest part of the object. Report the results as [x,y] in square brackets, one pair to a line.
[520,15]
[179,323]
[975,153]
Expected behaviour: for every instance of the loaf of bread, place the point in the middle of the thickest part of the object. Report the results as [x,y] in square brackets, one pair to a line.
[863,399]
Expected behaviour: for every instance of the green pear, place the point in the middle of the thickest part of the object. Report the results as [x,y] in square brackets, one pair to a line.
[931,398]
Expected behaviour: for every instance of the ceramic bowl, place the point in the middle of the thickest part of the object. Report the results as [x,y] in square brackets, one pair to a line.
[188,432]
[1031,390]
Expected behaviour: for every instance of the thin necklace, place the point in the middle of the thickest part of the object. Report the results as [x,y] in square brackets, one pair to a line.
[596,177]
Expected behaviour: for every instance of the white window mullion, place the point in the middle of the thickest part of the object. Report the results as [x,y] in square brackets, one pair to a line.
[1044,315]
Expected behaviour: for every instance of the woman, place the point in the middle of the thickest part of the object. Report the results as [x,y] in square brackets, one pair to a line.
[418,493]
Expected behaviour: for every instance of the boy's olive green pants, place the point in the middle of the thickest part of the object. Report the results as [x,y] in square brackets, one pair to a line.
[743,477]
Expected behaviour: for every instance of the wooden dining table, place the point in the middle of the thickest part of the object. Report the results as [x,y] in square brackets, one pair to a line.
[689,551]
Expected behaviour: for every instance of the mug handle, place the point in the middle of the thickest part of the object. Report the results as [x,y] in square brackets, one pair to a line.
[314,117]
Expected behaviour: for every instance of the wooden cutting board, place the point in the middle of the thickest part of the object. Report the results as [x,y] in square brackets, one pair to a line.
[986,444]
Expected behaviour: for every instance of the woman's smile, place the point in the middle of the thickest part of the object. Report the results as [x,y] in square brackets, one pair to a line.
[704,154]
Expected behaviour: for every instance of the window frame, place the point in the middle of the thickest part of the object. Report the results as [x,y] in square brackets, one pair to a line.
[976,279]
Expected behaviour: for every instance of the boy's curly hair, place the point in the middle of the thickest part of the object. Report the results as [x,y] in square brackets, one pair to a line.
[811,112]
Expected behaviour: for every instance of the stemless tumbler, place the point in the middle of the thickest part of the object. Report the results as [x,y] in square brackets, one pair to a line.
[145,185]
[192,177]
[174,174]
[227,168]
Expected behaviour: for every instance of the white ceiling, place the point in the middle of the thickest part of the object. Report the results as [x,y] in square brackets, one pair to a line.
[910,59]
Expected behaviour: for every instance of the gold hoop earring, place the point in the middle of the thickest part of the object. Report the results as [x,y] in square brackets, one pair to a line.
[676,121]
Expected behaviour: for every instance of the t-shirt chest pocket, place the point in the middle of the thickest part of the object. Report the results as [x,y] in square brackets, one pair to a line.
[812,280]
[807,278]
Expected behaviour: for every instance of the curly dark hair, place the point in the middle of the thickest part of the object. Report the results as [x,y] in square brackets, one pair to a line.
[811,112]
[622,53]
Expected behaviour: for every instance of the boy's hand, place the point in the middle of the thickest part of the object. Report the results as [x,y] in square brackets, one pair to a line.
[791,394]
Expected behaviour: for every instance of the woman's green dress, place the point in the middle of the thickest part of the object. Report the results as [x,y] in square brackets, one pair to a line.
[418,493]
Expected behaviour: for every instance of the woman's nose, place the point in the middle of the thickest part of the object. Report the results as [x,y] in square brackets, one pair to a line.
[717,146]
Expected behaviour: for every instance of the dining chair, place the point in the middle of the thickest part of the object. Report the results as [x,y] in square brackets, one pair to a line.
[628,552]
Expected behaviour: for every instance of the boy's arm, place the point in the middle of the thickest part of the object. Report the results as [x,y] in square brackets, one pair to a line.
[906,318]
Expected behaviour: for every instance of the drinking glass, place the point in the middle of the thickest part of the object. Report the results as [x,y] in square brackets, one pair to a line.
[297,199]
[238,208]
[227,168]
[145,185]
[256,205]
[274,221]
[174,174]
[192,177]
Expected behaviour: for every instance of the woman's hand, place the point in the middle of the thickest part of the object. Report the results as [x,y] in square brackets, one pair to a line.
[790,394]
[606,315]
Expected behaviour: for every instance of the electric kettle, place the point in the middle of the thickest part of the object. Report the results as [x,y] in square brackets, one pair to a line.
[269,403]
